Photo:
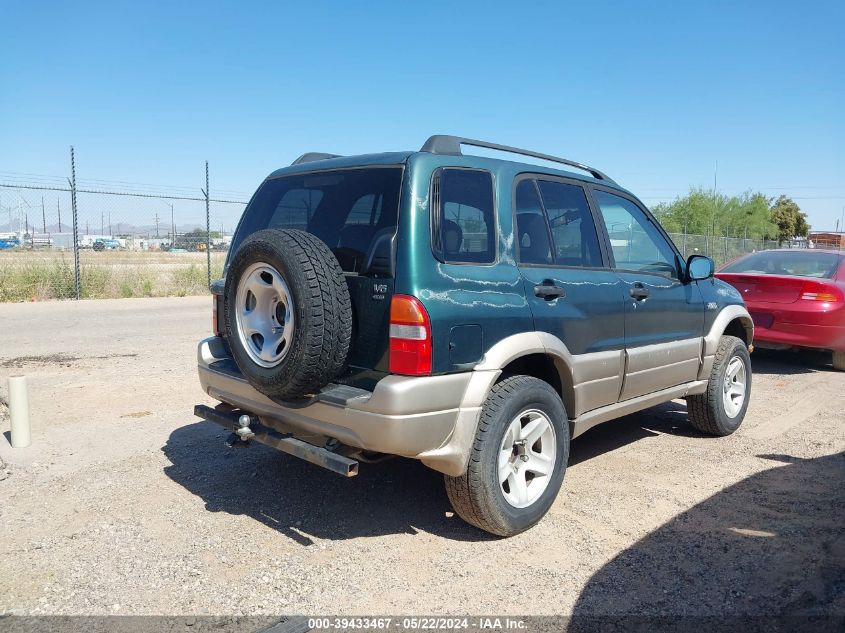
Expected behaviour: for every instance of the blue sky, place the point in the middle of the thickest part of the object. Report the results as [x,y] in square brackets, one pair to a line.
[652,93]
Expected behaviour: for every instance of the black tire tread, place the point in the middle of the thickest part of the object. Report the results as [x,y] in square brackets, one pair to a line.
[701,408]
[463,491]
[327,340]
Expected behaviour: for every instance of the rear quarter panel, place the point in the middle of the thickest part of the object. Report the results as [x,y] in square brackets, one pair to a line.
[487,297]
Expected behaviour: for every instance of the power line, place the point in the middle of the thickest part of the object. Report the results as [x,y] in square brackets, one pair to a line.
[118,193]
[113,184]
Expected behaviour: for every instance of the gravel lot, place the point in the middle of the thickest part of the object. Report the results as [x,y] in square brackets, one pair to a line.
[127,504]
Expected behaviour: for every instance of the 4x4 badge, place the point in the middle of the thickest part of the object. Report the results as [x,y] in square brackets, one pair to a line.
[379,291]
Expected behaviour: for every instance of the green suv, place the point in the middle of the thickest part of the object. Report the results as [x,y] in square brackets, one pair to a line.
[473,313]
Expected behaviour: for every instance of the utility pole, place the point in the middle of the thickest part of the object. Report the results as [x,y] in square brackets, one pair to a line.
[102,223]
[43,217]
[172,226]
[156,225]
[839,237]
[110,233]
[207,226]
[715,189]
[59,209]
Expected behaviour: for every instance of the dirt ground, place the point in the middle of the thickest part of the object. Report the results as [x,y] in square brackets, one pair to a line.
[125,503]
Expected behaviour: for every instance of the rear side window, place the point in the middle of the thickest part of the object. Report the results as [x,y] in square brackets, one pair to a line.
[463,222]
[354,211]
[574,236]
[532,230]
[554,225]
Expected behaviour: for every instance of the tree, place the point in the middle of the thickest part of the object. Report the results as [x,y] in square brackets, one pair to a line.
[789,221]
[703,212]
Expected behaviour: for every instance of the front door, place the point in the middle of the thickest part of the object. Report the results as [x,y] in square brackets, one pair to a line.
[664,317]
[573,294]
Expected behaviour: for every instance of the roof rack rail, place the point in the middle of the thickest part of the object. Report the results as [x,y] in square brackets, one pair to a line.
[310,157]
[445,144]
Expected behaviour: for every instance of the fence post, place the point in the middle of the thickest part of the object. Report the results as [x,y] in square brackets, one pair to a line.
[207,228]
[77,281]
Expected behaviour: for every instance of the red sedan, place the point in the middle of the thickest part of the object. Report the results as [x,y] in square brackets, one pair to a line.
[796,298]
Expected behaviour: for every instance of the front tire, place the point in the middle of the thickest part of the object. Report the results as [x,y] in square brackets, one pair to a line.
[518,458]
[721,409]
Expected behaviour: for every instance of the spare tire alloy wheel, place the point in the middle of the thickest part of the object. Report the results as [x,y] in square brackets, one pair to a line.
[287,313]
[265,314]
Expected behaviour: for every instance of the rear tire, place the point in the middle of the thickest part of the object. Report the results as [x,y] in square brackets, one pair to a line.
[839,361]
[718,410]
[510,505]
[309,311]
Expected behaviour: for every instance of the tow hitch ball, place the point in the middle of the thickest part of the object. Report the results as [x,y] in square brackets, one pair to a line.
[243,434]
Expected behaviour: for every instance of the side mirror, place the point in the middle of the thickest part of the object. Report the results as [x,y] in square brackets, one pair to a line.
[700,267]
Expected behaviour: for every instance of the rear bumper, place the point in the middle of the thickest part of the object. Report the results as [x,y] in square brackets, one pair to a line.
[794,335]
[407,416]
[813,324]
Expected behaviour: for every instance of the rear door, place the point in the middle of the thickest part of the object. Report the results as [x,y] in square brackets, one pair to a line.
[664,317]
[572,292]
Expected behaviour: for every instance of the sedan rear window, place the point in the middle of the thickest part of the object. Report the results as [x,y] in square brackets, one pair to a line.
[354,211]
[805,263]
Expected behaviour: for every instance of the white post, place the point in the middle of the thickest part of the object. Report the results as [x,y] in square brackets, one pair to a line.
[19,410]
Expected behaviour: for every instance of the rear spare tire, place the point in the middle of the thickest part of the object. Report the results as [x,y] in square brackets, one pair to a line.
[288,315]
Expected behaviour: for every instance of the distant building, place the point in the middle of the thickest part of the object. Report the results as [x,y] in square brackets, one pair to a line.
[827,239]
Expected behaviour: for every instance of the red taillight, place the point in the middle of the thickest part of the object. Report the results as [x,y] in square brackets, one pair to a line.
[410,337]
[214,324]
[819,291]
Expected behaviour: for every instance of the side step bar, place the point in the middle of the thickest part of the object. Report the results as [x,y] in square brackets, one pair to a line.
[228,419]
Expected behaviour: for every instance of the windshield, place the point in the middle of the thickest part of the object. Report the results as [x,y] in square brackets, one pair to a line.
[354,211]
[797,263]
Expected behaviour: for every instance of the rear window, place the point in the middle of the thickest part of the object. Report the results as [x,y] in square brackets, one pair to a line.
[797,263]
[354,211]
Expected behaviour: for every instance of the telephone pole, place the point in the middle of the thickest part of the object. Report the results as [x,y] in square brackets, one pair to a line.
[43,217]
[59,209]
[156,225]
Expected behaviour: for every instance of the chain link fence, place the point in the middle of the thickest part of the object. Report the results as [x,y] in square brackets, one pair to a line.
[724,249]
[80,240]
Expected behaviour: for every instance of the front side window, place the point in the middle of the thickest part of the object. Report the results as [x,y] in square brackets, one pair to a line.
[636,242]
[464,228]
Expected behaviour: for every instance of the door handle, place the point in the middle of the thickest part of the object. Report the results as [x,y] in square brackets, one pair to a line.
[639,292]
[549,291]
